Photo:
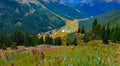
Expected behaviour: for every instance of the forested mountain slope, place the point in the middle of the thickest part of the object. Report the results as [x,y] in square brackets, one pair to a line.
[26,16]
[113,18]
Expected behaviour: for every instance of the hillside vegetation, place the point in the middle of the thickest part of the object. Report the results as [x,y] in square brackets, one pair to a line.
[34,15]
[29,18]
[64,10]
[91,54]
[113,18]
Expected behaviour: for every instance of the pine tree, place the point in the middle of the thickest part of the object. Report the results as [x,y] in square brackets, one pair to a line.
[82,30]
[57,41]
[26,42]
[94,27]
[79,30]
[4,47]
[7,40]
[107,35]
[28,39]
[35,39]
[67,42]
[96,30]
[75,41]
[1,39]
[115,34]
[103,32]
[47,39]
[108,31]
[51,40]
[106,39]
[41,41]
[94,23]
[19,37]
[86,38]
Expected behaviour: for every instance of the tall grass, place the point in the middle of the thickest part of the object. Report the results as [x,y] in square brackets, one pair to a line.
[83,55]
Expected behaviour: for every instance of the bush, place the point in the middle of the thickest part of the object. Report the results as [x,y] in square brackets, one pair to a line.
[13,45]
[4,47]
[57,41]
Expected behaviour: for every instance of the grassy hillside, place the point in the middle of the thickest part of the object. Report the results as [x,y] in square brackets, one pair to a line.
[70,27]
[112,17]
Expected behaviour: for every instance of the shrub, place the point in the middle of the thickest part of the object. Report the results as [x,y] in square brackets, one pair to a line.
[4,47]
[57,41]
[13,45]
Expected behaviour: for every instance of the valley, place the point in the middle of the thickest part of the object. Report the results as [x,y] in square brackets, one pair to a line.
[59,33]
[70,27]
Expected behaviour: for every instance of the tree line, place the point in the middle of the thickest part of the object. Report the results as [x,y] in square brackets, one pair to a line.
[19,38]
[105,33]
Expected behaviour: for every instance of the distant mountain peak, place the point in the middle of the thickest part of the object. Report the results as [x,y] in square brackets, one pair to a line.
[88,1]
[93,7]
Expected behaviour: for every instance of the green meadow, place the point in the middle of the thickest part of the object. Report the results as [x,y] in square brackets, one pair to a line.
[93,53]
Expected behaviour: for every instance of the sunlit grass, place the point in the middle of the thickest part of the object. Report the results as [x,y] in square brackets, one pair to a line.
[71,26]
[92,54]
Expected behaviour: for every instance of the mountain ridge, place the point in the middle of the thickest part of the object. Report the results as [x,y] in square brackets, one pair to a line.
[111,18]
[30,16]
[87,1]
[94,7]
[33,18]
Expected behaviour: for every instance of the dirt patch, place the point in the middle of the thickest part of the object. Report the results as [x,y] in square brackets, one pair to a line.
[40,48]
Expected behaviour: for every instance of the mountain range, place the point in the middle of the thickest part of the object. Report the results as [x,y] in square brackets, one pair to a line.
[34,15]
[87,1]
[93,7]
